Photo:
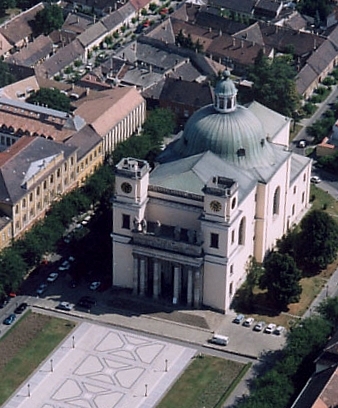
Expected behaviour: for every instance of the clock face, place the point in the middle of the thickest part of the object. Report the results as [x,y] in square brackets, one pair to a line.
[126,187]
[215,206]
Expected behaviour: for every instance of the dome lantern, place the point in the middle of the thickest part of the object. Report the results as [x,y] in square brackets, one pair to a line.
[225,94]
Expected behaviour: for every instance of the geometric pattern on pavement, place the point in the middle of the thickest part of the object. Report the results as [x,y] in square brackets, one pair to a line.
[100,367]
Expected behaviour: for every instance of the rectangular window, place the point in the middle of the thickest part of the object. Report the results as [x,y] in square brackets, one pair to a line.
[231,270]
[232,236]
[214,240]
[125,221]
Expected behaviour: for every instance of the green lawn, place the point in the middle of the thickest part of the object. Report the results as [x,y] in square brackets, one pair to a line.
[25,346]
[207,382]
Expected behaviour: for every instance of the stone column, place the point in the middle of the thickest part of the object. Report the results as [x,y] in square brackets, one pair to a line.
[135,276]
[189,288]
[197,289]
[142,276]
[156,279]
[160,267]
[177,272]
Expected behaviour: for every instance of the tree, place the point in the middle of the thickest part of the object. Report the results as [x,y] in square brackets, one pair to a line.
[317,242]
[6,4]
[279,95]
[254,271]
[48,19]
[328,309]
[319,9]
[52,98]
[6,77]
[281,279]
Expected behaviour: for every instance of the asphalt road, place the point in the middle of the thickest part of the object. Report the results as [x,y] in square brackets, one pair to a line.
[302,134]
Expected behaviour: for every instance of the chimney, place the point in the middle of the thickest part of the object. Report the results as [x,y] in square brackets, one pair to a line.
[242,43]
[94,19]
[220,33]
[233,41]
[87,91]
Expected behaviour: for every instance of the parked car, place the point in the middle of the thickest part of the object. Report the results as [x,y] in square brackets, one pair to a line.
[52,277]
[41,289]
[315,179]
[220,340]
[21,308]
[302,143]
[94,285]
[259,326]
[270,328]
[248,321]
[64,266]
[279,330]
[9,319]
[239,319]
[65,306]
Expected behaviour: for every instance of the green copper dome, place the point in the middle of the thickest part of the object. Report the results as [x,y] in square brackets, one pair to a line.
[229,130]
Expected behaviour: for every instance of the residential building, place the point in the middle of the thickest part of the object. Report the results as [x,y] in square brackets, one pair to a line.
[34,172]
[223,191]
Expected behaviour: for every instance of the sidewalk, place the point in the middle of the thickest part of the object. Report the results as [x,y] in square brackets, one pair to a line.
[329,290]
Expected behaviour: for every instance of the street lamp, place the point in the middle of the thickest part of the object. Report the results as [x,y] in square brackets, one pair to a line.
[29,390]
[146,390]
[73,338]
[166,365]
[51,365]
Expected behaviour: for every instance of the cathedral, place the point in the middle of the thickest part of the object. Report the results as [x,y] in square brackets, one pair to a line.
[223,191]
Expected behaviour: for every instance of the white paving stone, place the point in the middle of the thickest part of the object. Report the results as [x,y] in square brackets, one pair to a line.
[99,367]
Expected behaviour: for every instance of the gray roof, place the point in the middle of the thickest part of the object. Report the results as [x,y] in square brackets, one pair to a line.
[192,173]
[243,6]
[305,78]
[92,33]
[27,161]
[85,140]
[34,52]
[118,17]
[272,121]
[60,60]
[141,77]
[148,54]
[298,163]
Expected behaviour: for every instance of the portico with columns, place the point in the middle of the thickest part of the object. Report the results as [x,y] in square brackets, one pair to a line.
[180,282]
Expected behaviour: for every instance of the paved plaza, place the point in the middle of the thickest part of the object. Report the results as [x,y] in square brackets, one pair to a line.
[100,367]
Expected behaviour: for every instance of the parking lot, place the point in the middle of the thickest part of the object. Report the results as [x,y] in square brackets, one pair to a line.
[246,341]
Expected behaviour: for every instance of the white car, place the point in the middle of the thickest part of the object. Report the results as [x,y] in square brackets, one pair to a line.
[64,266]
[248,321]
[65,306]
[315,179]
[270,328]
[279,330]
[41,288]
[259,326]
[94,285]
[52,277]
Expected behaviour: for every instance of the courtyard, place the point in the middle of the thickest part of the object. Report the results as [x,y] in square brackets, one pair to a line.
[97,367]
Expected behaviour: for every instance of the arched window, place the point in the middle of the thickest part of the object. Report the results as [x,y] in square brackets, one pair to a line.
[276,201]
[241,232]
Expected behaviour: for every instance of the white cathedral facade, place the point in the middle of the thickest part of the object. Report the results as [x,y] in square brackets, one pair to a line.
[224,191]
